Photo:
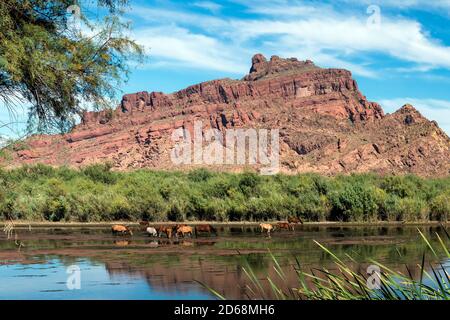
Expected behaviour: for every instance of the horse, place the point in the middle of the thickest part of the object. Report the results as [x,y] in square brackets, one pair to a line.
[143,225]
[154,244]
[184,231]
[266,227]
[205,228]
[295,220]
[122,230]
[285,225]
[167,230]
[187,243]
[122,243]
[151,231]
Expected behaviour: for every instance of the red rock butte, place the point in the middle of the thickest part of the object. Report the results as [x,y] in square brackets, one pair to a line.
[326,125]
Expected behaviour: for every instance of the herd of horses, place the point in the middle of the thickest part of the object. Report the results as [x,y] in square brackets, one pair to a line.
[179,230]
[288,225]
[183,230]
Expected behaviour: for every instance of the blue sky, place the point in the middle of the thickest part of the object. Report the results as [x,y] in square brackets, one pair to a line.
[398,51]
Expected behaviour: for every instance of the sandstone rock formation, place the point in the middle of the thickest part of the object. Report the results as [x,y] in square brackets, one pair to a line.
[326,125]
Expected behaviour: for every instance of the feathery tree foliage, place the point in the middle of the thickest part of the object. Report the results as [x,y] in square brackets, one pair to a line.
[56,58]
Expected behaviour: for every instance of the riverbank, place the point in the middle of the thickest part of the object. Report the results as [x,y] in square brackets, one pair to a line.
[97,194]
[38,224]
[174,265]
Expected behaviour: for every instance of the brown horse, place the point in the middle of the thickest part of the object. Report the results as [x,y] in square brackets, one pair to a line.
[122,230]
[122,243]
[167,230]
[285,225]
[205,228]
[266,227]
[143,225]
[184,230]
[295,220]
[187,243]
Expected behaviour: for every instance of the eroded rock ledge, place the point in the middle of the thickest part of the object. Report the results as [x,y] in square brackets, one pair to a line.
[327,125]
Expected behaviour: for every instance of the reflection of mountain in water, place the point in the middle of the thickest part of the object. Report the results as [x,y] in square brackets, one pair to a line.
[172,266]
[228,279]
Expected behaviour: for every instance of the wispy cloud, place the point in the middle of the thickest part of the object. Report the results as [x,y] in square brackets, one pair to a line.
[403,4]
[180,47]
[402,39]
[162,17]
[208,5]
[433,109]
[3,141]
[323,33]
[283,8]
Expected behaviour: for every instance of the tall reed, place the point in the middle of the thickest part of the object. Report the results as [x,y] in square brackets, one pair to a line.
[347,284]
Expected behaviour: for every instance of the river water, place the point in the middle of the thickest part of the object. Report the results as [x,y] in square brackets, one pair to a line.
[90,263]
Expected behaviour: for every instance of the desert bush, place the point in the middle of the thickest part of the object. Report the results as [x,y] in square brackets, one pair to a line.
[413,210]
[440,207]
[199,175]
[100,173]
[355,202]
[55,209]
[249,183]
[96,193]
[400,186]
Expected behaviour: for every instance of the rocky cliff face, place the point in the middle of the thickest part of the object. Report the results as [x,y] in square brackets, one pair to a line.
[326,125]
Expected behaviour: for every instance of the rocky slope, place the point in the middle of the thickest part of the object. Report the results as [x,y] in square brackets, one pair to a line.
[326,125]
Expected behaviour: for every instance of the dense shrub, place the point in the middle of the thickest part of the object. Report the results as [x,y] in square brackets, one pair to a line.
[97,193]
[440,207]
[199,175]
[412,209]
[101,173]
[354,203]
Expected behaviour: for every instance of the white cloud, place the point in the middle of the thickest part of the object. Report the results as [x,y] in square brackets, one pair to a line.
[208,5]
[433,109]
[321,33]
[167,17]
[402,39]
[282,8]
[3,141]
[403,4]
[177,46]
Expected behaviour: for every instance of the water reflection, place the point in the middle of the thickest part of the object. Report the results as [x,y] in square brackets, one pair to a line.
[142,267]
[48,281]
